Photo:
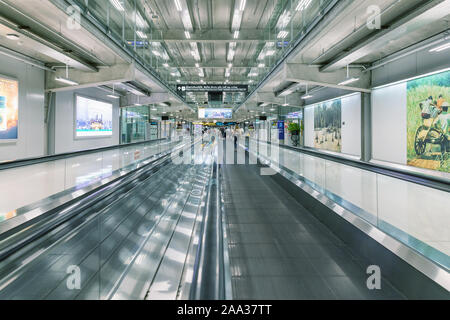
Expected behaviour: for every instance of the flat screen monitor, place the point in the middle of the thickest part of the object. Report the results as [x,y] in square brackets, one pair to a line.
[215,113]
[93,118]
[215,96]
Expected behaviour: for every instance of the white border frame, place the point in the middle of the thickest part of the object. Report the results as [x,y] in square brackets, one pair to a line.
[212,119]
[75,138]
[13,141]
[401,166]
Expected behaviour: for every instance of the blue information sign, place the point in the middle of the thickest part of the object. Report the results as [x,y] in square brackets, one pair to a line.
[280,126]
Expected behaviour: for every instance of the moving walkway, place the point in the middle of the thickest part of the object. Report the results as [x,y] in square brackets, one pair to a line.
[155,229]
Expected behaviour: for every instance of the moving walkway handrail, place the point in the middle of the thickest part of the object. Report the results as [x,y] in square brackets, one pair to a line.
[209,280]
[439,183]
[34,160]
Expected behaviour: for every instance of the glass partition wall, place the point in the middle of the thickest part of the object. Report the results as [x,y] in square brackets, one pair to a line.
[136,125]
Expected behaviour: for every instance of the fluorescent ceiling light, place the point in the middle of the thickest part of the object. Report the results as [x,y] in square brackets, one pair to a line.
[302,5]
[178,5]
[282,34]
[441,48]
[261,65]
[197,65]
[12,36]
[165,65]
[270,52]
[117,4]
[284,20]
[139,21]
[231,54]
[242,6]
[67,81]
[307,96]
[348,81]
[187,34]
[236,34]
[141,34]
[113,96]
[178,80]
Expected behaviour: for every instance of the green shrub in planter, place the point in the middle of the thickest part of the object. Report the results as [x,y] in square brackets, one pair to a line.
[294,128]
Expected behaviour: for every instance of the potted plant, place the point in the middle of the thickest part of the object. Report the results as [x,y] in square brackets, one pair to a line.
[294,130]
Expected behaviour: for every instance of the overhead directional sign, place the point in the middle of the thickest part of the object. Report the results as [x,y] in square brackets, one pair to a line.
[182,88]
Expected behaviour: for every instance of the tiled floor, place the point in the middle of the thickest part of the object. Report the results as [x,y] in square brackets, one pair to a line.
[280,251]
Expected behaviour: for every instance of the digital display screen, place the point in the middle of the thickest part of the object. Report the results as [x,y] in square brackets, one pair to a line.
[294,115]
[215,113]
[93,118]
[9,109]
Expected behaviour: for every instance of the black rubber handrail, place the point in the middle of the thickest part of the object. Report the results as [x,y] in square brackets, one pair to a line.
[414,177]
[208,281]
[34,160]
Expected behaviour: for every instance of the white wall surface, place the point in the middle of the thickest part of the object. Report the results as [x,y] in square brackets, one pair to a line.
[309,126]
[31,139]
[389,124]
[351,125]
[351,131]
[64,122]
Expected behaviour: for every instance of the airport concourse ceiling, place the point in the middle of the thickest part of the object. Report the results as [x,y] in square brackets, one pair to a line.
[281,50]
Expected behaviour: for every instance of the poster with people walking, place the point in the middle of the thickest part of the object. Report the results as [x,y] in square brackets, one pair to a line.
[328,125]
[428,120]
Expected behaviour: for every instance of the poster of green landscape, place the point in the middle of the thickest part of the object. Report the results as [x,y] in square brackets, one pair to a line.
[428,122]
[328,125]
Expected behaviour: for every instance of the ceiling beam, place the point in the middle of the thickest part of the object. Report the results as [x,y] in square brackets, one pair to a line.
[106,76]
[154,98]
[311,75]
[431,12]
[48,48]
[215,36]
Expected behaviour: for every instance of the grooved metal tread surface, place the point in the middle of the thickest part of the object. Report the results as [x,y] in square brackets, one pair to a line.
[118,249]
[278,250]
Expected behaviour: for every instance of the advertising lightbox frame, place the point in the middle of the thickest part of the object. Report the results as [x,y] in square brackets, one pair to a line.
[75,137]
[12,141]
[203,118]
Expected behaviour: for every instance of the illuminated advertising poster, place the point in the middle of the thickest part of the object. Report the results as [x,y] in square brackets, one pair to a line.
[428,119]
[215,113]
[93,118]
[328,126]
[9,109]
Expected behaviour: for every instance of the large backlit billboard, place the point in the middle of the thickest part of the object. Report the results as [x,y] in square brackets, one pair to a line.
[215,113]
[93,118]
[9,109]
